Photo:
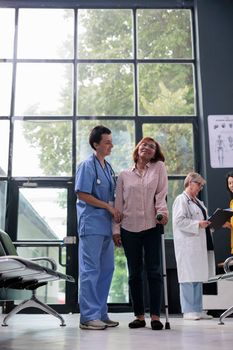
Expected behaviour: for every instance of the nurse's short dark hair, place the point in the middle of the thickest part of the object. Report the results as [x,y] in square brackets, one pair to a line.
[96,134]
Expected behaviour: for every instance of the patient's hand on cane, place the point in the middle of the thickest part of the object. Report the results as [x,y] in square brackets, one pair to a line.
[162,219]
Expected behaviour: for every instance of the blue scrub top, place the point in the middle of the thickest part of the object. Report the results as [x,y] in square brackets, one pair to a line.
[93,220]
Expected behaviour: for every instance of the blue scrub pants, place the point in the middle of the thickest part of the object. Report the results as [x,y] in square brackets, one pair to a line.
[191,297]
[96,266]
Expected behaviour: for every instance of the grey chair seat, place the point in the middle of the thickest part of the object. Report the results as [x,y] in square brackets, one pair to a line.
[18,273]
[227,276]
[11,266]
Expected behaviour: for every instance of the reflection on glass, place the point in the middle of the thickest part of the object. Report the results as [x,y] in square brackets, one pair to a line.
[176,141]
[43,89]
[105,33]
[123,135]
[164,33]
[4,146]
[105,89]
[175,187]
[166,89]
[45,33]
[3,188]
[5,91]
[42,148]
[52,293]
[42,214]
[7,21]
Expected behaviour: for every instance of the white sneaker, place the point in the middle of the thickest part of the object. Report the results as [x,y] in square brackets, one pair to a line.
[94,325]
[194,316]
[110,323]
[203,315]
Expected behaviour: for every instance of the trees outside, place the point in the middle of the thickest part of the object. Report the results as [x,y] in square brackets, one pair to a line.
[176,141]
[107,88]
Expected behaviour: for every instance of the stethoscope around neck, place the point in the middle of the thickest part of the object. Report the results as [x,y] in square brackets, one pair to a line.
[111,173]
[190,200]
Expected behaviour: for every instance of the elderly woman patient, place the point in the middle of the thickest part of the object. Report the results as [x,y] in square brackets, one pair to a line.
[193,247]
[140,196]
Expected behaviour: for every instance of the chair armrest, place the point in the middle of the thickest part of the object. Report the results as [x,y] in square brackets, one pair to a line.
[214,278]
[50,260]
[227,263]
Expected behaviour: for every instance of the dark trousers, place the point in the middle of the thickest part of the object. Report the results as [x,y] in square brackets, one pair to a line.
[144,247]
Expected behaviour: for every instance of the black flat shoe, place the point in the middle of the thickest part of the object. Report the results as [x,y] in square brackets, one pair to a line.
[156,325]
[137,323]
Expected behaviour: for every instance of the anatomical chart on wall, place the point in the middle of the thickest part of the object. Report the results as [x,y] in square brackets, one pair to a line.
[221,140]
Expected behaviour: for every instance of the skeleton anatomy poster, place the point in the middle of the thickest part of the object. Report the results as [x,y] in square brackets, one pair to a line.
[221,140]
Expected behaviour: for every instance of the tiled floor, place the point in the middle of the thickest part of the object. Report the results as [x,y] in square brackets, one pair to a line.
[43,332]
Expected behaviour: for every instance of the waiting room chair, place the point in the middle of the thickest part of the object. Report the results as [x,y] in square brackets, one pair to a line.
[26,274]
[227,275]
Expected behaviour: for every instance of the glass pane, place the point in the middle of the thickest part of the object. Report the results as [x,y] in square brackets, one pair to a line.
[45,33]
[54,292]
[46,147]
[105,33]
[5,91]
[42,214]
[164,33]
[105,89]
[119,292]
[3,189]
[176,141]
[4,146]
[175,187]
[166,89]
[7,21]
[123,135]
[44,89]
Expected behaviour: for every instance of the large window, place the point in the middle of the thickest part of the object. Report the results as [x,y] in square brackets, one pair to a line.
[65,70]
[3,189]
[48,146]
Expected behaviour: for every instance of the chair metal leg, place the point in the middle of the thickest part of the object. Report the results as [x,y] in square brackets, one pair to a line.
[33,302]
[226,313]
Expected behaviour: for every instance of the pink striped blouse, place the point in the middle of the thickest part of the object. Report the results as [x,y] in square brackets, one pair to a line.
[141,197]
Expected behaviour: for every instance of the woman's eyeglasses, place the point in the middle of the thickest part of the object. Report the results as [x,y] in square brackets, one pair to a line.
[199,184]
[150,145]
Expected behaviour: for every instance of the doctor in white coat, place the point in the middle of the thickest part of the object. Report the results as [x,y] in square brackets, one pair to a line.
[193,247]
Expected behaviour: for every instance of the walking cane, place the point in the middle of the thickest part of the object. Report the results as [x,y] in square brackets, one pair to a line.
[167,324]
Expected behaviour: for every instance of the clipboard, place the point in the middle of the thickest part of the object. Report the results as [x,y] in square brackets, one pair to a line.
[219,217]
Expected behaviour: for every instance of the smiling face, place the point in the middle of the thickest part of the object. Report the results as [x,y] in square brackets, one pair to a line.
[146,150]
[230,183]
[104,147]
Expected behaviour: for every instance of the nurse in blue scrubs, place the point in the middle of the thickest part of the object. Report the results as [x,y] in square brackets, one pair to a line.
[95,187]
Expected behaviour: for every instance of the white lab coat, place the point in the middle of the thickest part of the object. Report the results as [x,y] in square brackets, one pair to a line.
[194,262]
